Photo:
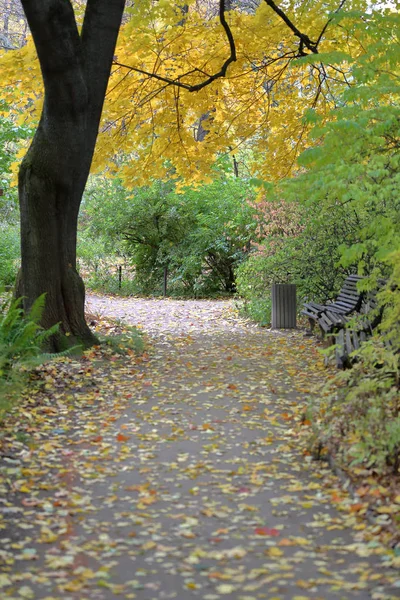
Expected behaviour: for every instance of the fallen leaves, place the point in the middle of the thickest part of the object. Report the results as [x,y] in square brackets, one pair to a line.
[267,531]
[185,465]
[274,552]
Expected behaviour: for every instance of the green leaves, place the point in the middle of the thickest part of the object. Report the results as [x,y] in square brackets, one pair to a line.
[21,346]
[348,193]
[198,235]
[335,57]
[353,171]
[21,337]
[9,252]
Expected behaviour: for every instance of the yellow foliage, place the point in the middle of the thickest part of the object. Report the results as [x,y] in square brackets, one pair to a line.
[258,105]
[22,82]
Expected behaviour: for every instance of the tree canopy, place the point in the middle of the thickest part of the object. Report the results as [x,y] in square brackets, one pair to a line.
[243,74]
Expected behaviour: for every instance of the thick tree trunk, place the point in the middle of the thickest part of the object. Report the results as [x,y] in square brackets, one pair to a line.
[54,172]
[50,192]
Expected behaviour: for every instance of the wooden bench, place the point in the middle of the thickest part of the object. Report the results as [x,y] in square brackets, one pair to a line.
[348,321]
[357,331]
[333,316]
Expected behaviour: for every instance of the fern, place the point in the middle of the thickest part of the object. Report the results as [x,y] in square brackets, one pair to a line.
[21,336]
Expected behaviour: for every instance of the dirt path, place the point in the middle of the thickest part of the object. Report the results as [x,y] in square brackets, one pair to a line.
[182,477]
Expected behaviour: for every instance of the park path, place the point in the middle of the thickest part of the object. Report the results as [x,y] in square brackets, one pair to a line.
[183,475]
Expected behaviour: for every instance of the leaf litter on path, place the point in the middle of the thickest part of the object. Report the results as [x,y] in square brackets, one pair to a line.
[180,474]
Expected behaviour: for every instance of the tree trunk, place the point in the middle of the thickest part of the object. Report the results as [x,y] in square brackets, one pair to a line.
[54,172]
[50,191]
[230,285]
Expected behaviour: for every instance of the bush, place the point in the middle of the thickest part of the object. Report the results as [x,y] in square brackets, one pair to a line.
[310,259]
[258,309]
[9,254]
[357,417]
[91,253]
[107,282]
[198,236]
[355,165]
[21,341]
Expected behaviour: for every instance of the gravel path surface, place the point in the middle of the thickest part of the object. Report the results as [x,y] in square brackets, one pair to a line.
[183,475]
[159,317]
[254,515]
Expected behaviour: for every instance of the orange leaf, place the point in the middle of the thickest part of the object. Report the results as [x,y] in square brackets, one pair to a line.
[362,491]
[206,426]
[356,507]
[286,542]
[266,531]
[122,438]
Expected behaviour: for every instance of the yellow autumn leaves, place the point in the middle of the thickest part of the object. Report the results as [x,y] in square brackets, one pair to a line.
[258,107]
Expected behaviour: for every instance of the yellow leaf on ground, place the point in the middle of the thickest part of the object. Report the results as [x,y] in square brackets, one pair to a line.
[274,552]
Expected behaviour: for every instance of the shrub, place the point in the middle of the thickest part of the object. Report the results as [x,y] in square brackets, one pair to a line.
[258,309]
[21,341]
[107,282]
[9,254]
[310,260]
[357,417]
[91,253]
[198,236]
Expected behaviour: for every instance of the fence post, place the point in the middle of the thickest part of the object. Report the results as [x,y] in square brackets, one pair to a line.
[165,282]
[284,307]
[119,277]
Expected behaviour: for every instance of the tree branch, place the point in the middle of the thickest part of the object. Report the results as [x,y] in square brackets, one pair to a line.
[304,39]
[199,86]
[159,77]
[325,27]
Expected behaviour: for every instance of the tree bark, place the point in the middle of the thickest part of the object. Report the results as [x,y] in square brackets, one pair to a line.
[53,174]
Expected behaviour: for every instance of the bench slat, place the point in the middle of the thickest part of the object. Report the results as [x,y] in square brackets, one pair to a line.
[344,303]
[325,323]
[341,308]
[350,285]
[314,304]
[350,295]
[348,303]
[336,317]
[355,277]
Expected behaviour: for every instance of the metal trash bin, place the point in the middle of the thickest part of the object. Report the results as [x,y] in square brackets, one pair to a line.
[284,307]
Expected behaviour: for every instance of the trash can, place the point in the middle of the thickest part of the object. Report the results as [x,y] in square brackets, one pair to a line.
[284,307]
